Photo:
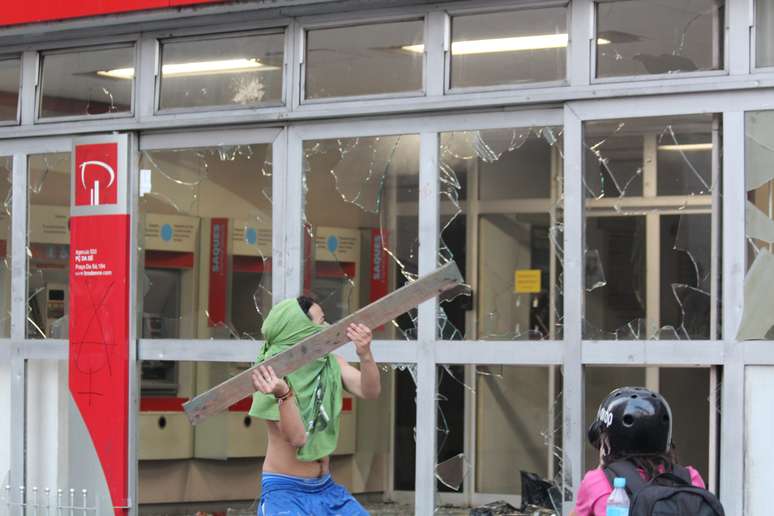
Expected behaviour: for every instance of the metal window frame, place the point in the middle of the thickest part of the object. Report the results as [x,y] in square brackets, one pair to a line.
[120,43]
[752,26]
[468,11]
[17,120]
[275,137]
[208,36]
[326,22]
[724,351]
[427,351]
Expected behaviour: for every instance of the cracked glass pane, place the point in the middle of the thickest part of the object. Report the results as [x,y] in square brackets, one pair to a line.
[516,418]
[10,75]
[361,224]
[641,37]
[518,428]
[651,249]
[87,82]
[220,71]
[512,47]
[48,245]
[6,175]
[364,59]
[688,392]
[501,219]
[757,320]
[206,241]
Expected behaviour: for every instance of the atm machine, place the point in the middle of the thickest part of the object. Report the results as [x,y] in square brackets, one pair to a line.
[168,281]
[49,262]
[245,296]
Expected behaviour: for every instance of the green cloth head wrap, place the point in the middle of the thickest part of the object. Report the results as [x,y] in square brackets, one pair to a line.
[317,385]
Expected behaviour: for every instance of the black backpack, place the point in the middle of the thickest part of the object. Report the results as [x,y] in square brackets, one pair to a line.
[667,494]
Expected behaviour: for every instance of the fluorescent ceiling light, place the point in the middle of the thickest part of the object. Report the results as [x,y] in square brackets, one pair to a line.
[515,44]
[686,147]
[195,68]
[118,73]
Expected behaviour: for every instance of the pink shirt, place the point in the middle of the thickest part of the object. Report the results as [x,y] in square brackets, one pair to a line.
[595,490]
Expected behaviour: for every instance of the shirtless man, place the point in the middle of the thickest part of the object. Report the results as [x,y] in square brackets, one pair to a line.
[296,481]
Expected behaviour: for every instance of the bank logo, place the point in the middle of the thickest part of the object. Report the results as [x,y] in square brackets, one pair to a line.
[95,169]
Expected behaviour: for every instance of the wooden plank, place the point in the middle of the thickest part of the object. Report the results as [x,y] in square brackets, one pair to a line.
[219,398]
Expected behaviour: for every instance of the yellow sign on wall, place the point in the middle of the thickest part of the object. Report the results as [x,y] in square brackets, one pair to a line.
[527,281]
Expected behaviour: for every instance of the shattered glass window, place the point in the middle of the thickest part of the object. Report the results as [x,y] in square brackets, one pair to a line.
[86,82]
[651,259]
[361,224]
[6,175]
[206,239]
[515,419]
[764,33]
[364,59]
[10,75]
[757,320]
[646,37]
[48,246]
[501,222]
[690,394]
[222,71]
[509,47]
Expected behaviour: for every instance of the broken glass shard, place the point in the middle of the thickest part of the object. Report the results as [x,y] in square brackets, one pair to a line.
[759,150]
[595,272]
[695,305]
[452,472]
[758,316]
[758,225]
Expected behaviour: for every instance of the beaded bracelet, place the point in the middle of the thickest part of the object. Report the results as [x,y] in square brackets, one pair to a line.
[285,396]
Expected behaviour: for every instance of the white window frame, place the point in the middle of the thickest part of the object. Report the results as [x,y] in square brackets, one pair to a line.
[162,112]
[328,23]
[754,28]
[119,44]
[467,11]
[723,71]
[17,120]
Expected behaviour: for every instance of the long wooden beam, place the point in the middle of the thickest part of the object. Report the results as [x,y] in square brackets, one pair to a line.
[378,313]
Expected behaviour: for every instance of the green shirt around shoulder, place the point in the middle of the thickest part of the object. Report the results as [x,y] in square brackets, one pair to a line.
[316,386]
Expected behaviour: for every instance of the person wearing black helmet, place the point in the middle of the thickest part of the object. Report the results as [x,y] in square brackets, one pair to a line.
[632,429]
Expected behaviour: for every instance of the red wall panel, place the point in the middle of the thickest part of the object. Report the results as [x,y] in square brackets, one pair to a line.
[31,11]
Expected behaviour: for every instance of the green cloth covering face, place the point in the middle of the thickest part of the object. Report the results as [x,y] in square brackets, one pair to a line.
[316,386]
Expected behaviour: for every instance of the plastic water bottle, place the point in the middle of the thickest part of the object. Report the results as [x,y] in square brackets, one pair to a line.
[618,503]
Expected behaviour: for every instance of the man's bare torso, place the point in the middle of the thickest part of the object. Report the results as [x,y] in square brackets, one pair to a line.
[281,457]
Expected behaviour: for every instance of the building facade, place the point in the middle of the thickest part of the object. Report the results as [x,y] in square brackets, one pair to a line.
[600,170]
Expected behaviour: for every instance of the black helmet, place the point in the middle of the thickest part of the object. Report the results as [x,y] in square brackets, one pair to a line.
[635,420]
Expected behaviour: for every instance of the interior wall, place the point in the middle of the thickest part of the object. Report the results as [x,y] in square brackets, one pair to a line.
[504,245]
[512,419]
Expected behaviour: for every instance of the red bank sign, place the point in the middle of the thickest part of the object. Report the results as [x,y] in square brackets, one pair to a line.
[99,304]
[95,181]
[31,11]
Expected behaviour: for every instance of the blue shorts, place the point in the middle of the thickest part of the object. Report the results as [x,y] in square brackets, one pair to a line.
[285,495]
